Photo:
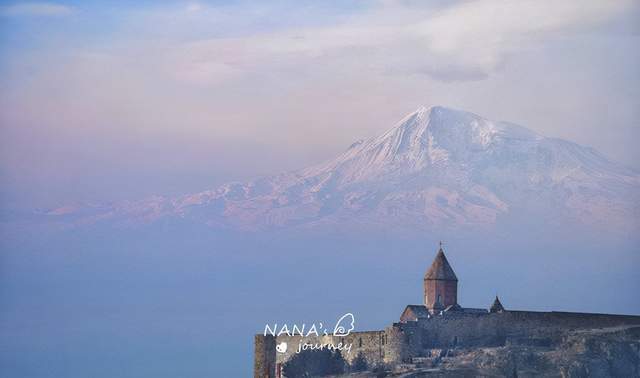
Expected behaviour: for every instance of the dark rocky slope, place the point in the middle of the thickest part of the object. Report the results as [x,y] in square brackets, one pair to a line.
[602,352]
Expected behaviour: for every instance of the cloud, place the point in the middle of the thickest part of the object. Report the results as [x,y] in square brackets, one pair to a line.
[195,7]
[37,9]
[479,34]
[464,42]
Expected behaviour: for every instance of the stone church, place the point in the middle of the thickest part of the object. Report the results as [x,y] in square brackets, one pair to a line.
[440,323]
[441,293]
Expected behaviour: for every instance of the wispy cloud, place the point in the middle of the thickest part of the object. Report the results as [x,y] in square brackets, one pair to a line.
[37,9]
[466,41]
[476,36]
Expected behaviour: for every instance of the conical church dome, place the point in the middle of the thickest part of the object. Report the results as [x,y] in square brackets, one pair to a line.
[496,306]
[440,269]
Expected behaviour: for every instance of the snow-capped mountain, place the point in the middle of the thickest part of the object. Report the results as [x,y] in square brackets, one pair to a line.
[437,167]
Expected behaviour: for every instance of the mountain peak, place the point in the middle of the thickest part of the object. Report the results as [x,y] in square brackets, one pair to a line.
[439,113]
[429,135]
[440,110]
[426,112]
[437,166]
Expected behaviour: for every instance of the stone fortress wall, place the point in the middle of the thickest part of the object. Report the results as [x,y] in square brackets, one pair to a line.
[402,341]
[460,330]
[371,344]
[268,362]
[440,324]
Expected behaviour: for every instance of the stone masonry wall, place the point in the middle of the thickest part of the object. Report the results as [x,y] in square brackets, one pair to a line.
[475,330]
[370,344]
[448,291]
[264,358]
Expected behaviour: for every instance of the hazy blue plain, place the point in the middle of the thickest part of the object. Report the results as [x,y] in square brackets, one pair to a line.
[181,301]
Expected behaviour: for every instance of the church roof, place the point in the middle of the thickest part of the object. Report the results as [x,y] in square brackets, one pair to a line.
[440,269]
[496,306]
[454,307]
[420,311]
[414,313]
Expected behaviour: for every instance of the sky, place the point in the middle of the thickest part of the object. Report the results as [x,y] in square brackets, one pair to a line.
[116,100]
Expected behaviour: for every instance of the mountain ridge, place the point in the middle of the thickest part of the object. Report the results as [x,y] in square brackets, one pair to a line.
[435,168]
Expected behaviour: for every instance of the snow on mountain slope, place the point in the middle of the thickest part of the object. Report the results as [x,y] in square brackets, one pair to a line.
[437,167]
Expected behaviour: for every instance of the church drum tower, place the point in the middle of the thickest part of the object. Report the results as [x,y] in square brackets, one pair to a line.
[440,284]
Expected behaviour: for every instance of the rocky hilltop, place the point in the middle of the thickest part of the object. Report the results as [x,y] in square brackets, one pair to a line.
[600,352]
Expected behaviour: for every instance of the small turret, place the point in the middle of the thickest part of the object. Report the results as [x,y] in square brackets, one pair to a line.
[496,306]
